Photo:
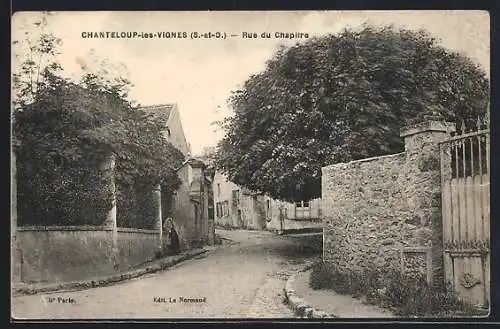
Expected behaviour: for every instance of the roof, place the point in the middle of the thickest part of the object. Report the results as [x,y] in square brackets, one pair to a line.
[196,163]
[161,110]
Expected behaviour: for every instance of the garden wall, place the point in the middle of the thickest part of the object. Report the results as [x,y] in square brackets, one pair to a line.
[67,253]
[384,212]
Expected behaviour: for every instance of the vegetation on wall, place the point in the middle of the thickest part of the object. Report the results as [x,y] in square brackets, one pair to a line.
[339,98]
[63,131]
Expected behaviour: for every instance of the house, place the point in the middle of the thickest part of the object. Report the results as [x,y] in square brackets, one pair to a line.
[209,172]
[238,207]
[188,205]
[286,216]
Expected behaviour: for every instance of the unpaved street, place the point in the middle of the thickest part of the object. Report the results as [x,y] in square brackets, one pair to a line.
[242,278]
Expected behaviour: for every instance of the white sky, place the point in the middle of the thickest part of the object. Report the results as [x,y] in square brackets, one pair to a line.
[198,75]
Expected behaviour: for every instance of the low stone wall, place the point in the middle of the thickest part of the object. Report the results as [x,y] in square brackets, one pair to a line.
[66,253]
[384,212]
[135,246]
[292,224]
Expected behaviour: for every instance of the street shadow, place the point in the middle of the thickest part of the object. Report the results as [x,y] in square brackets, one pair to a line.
[297,247]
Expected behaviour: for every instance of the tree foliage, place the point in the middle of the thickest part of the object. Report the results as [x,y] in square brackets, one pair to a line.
[65,130]
[339,98]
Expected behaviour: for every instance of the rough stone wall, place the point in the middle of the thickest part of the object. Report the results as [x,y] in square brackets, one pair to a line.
[385,212]
[363,213]
[58,254]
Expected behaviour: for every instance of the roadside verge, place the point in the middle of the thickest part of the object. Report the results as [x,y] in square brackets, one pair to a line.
[299,306]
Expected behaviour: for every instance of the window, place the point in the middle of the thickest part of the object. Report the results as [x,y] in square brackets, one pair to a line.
[302,209]
[222,209]
[302,204]
[268,204]
[218,189]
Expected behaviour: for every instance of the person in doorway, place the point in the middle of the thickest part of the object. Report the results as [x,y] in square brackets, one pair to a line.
[174,245]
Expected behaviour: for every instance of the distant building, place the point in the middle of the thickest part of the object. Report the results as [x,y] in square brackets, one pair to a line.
[238,207]
[294,215]
[188,205]
[173,132]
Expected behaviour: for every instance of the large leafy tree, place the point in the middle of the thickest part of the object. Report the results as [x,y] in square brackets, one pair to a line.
[339,98]
[65,130]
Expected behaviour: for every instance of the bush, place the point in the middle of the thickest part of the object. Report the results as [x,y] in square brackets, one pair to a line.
[61,137]
[136,207]
[405,295]
[59,195]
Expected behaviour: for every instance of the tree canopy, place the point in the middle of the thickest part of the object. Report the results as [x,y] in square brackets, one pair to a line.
[339,98]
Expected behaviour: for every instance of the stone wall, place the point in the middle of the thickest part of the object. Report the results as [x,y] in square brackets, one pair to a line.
[384,212]
[67,253]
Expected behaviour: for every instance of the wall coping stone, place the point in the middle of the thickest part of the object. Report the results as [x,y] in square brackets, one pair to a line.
[63,228]
[347,164]
[82,228]
[136,230]
[432,124]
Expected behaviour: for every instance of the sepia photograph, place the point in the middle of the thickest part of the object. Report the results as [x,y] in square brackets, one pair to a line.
[278,165]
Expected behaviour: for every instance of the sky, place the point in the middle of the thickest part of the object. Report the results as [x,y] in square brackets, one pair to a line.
[199,74]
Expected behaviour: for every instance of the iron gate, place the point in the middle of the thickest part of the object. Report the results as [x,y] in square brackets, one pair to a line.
[465,195]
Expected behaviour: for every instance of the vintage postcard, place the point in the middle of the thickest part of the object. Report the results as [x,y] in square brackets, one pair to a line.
[250,165]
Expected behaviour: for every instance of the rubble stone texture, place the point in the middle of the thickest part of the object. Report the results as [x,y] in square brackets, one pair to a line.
[378,209]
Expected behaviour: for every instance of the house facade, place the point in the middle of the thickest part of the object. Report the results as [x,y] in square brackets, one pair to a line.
[237,207]
[188,205]
[300,215]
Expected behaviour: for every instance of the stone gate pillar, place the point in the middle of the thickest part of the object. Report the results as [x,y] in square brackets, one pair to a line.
[108,168]
[422,192]
[158,215]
